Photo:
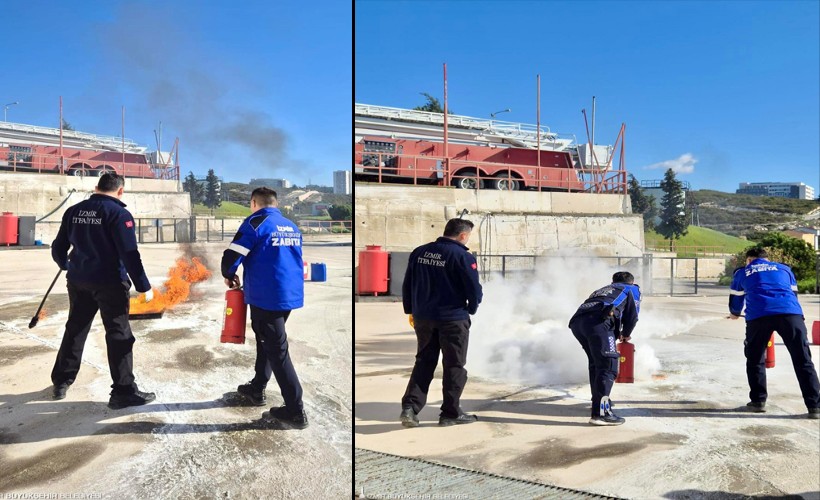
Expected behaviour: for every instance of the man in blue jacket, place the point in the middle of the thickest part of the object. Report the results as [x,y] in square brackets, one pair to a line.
[610,312]
[100,233]
[441,291]
[769,290]
[269,247]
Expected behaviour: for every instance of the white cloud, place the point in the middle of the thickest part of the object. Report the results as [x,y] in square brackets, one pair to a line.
[685,164]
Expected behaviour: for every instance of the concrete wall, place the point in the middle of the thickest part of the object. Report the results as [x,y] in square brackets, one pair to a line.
[708,267]
[39,194]
[399,218]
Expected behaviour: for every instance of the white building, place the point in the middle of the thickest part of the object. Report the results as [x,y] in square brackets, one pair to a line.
[797,190]
[341,182]
[271,183]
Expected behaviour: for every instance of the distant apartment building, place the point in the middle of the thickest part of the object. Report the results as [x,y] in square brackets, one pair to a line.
[271,183]
[810,235]
[341,182]
[796,190]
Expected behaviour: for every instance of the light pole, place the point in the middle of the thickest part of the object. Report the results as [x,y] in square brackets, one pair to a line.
[492,115]
[6,110]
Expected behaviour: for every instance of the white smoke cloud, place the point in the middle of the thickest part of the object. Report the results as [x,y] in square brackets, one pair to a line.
[520,333]
[684,164]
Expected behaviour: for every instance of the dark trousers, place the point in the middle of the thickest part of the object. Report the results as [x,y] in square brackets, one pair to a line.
[597,338]
[84,301]
[792,330]
[272,356]
[450,338]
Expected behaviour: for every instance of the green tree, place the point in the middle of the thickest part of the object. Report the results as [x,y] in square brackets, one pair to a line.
[674,223]
[193,188]
[793,252]
[433,105]
[213,196]
[66,125]
[340,212]
[642,204]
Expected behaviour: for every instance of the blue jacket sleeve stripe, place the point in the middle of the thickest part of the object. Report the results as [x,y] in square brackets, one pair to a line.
[620,298]
[737,292]
[239,249]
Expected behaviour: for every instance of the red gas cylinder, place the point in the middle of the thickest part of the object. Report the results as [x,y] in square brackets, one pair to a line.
[815,333]
[305,269]
[8,229]
[626,366]
[770,352]
[372,270]
[233,324]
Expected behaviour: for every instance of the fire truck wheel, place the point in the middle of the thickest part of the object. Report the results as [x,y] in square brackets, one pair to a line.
[504,182]
[77,172]
[467,179]
[102,170]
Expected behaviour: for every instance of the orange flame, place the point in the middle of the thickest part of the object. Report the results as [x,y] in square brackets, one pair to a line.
[176,289]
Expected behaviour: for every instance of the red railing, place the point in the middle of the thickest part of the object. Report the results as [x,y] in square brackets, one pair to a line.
[309,226]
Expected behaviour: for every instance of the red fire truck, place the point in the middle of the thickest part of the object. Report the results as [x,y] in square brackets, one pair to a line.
[470,166]
[30,148]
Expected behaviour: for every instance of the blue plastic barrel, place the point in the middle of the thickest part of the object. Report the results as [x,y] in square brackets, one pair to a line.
[318,272]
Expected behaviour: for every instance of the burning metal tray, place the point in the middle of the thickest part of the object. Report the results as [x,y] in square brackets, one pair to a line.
[147,315]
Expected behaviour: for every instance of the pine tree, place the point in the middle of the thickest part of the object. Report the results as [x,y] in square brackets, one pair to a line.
[213,196]
[642,204]
[674,223]
[193,188]
[432,105]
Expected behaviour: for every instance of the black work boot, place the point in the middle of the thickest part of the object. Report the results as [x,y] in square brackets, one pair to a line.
[60,390]
[756,406]
[814,413]
[462,418]
[252,394]
[408,418]
[286,418]
[138,398]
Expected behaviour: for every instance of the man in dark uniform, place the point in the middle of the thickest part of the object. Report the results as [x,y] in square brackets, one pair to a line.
[103,242]
[609,312]
[769,290]
[441,291]
[269,247]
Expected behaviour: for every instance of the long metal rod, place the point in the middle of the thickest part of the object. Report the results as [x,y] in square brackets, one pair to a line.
[538,118]
[36,316]
[446,151]
[62,160]
[123,140]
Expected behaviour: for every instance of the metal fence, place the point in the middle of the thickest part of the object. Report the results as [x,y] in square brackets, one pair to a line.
[180,230]
[207,229]
[656,275]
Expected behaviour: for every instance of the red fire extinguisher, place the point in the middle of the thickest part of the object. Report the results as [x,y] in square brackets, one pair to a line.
[770,352]
[626,365]
[233,323]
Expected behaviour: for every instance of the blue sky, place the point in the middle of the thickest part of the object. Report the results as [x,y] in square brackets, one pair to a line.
[722,91]
[252,89]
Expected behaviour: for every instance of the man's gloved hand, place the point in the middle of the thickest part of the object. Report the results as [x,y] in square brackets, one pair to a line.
[233,283]
[149,295]
[412,323]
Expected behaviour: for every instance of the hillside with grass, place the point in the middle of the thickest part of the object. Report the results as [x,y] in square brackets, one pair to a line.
[700,241]
[742,214]
[226,209]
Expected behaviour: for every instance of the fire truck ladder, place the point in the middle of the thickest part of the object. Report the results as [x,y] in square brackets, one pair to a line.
[51,136]
[494,131]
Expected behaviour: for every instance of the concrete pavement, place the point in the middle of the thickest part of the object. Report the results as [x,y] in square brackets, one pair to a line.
[686,433]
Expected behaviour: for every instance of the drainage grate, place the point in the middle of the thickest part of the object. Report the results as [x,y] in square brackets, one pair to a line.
[384,476]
